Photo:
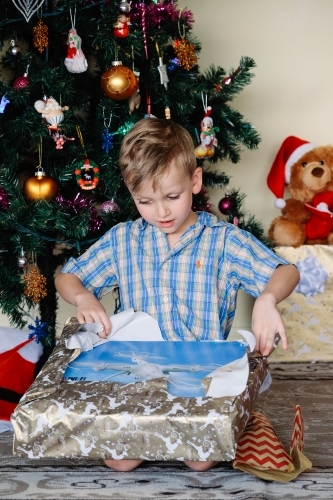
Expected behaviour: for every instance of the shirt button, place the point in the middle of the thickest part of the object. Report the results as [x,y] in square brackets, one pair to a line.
[165,299]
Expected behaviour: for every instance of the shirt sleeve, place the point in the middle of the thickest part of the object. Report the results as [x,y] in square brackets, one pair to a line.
[250,262]
[96,268]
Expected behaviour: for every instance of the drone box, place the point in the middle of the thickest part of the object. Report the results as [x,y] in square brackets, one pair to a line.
[145,400]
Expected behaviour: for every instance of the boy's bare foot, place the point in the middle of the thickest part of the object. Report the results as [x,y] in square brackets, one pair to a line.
[128,465]
[200,466]
[123,465]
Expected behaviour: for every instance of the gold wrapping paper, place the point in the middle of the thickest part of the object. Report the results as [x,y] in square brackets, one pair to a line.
[140,420]
[308,320]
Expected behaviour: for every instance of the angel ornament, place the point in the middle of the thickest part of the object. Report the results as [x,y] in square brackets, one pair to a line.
[75,60]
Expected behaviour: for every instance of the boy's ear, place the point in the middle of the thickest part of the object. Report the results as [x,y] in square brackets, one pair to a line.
[197,181]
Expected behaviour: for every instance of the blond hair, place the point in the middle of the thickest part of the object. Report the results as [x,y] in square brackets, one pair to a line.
[151,147]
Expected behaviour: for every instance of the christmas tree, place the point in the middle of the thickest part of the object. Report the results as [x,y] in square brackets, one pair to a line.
[77,77]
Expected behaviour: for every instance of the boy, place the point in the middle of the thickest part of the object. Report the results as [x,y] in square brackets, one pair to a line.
[182,268]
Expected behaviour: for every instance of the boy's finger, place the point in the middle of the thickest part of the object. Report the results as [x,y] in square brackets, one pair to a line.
[106,324]
[266,344]
[102,334]
[284,340]
[81,318]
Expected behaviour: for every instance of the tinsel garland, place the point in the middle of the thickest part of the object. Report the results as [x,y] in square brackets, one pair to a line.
[156,14]
[79,203]
[186,53]
[75,205]
[4,201]
[95,222]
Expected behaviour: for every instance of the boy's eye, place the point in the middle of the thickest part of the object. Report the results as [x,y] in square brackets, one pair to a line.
[173,197]
[143,202]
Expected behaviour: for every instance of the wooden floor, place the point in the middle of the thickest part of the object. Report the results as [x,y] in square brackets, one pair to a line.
[311,386]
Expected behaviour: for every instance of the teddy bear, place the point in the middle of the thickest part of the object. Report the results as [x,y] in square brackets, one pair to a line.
[307,216]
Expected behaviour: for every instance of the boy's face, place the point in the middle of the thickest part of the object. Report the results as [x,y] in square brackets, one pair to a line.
[169,205]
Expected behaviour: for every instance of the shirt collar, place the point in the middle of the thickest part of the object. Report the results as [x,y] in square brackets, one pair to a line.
[207,219]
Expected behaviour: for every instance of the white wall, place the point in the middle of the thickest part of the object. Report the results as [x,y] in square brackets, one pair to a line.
[291,93]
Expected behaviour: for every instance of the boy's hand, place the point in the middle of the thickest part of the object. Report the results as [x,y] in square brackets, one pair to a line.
[266,323]
[90,310]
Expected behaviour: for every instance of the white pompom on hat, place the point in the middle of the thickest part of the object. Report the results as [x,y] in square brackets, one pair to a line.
[291,150]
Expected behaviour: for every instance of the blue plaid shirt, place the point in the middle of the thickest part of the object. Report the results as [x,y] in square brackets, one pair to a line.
[190,289]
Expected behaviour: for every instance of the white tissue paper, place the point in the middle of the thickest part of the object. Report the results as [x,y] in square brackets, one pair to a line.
[126,326]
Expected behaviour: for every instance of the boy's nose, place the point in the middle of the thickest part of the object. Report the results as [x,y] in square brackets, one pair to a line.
[162,211]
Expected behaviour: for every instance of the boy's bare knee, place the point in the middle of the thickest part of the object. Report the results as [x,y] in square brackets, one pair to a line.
[123,465]
[200,466]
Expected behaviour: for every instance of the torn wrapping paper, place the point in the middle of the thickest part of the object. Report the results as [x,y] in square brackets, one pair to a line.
[307,312]
[139,419]
[261,453]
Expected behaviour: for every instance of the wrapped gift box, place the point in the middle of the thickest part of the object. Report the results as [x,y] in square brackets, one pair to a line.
[68,414]
[307,312]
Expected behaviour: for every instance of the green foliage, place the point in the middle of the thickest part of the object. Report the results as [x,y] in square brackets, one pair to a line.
[51,231]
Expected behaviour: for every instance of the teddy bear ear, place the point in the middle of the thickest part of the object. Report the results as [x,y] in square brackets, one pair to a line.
[291,150]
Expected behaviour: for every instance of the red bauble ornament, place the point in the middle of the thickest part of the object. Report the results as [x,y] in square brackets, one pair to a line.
[225,205]
[119,82]
[21,82]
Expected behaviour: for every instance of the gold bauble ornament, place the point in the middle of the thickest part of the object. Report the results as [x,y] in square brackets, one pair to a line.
[119,82]
[40,187]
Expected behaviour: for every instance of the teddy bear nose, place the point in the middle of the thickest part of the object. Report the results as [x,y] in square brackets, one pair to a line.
[317,172]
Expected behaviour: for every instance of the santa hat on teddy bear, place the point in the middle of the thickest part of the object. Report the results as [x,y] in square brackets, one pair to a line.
[18,358]
[291,150]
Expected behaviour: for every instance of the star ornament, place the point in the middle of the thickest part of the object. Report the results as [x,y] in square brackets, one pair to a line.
[163,73]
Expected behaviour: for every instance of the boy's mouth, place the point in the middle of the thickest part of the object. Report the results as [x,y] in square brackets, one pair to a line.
[166,223]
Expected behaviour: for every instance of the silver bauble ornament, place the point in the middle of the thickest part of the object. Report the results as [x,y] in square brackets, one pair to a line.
[22,261]
[14,49]
[124,7]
